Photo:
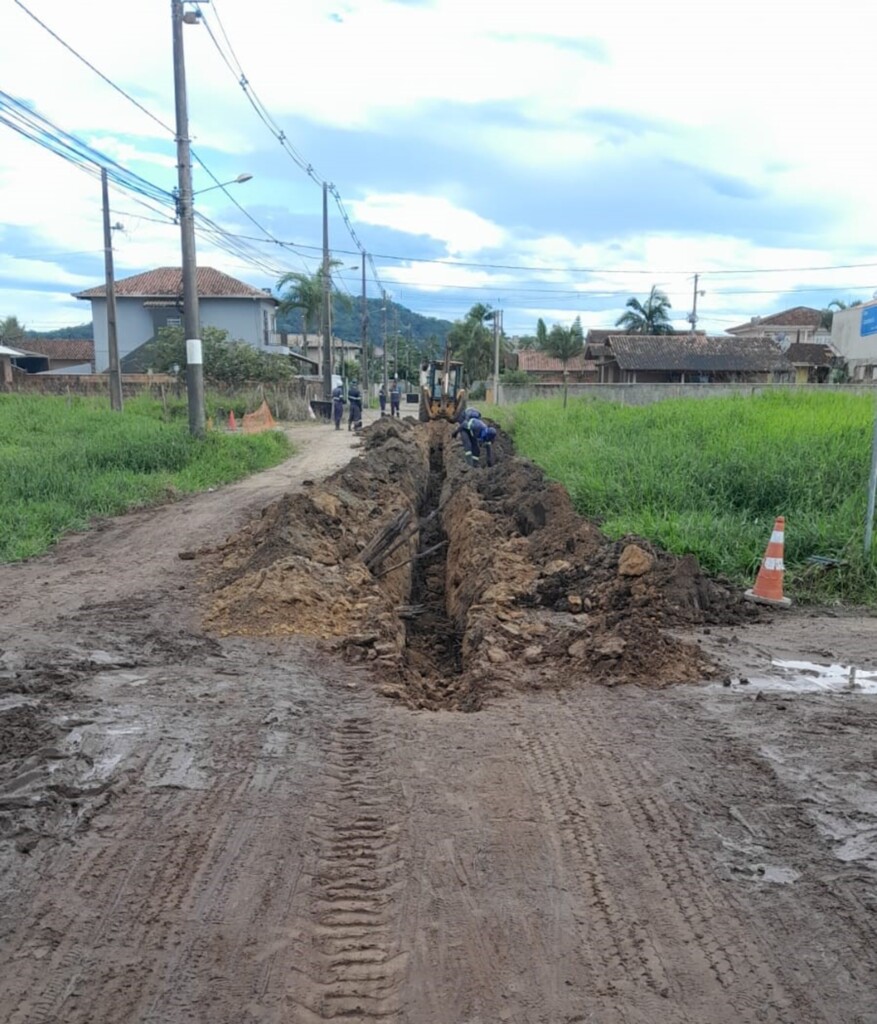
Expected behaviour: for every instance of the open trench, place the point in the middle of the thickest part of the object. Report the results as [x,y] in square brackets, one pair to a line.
[433,642]
[456,585]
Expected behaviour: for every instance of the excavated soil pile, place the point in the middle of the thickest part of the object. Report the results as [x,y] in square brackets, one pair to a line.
[457,583]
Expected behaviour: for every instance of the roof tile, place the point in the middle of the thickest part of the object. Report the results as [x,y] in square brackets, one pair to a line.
[695,353]
[167,282]
[82,350]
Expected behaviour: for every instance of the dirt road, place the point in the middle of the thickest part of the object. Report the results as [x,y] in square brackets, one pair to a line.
[243,830]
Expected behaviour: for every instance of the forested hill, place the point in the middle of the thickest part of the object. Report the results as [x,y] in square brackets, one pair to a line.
[425,331]
[81,332]
[347,323]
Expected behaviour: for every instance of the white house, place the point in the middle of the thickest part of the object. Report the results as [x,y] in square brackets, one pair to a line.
[854,337]
[147,302]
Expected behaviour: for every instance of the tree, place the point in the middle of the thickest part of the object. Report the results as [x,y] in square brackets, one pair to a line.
[471,341]
[305,292]
[225,361]
[650,317]
[836,305]
[11,331]
[527,342]
[565,343]
[541,334]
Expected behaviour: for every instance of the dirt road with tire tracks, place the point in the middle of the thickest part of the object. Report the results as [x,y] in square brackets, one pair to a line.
[242,830]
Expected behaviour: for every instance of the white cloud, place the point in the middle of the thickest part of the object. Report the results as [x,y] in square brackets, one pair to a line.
[462,231]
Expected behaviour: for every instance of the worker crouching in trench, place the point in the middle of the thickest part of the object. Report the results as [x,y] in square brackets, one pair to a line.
[477,439]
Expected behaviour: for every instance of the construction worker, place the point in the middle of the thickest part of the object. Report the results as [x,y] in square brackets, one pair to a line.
[355,396]
[474,434]
[382,398]
[395,398]
[469,413]
[338,402]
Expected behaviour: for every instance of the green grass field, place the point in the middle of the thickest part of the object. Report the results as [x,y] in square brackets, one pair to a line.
[709,476]
[64,461]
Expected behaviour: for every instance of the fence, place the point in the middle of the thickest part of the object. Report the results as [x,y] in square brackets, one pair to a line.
[646,394]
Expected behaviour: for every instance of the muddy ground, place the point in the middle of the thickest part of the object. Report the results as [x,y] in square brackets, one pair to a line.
[236,784]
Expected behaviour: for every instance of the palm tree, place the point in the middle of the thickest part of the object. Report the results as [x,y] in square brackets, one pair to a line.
[647,318]
[304,292]
[565,343]
[472,341]
[836,305]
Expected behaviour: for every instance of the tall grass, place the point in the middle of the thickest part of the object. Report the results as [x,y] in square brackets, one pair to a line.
[709,476]
[64,461]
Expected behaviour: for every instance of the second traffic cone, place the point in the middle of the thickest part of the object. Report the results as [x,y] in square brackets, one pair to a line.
[232,425]
[768,587]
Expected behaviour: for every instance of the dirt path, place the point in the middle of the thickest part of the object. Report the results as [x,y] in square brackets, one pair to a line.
[244,831]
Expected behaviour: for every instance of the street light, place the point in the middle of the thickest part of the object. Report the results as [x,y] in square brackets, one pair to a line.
[239,180]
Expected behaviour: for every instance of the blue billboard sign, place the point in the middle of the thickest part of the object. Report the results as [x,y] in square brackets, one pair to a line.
[869,320]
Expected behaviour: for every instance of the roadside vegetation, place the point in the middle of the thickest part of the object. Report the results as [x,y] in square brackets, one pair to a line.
[65,461]
[708,476]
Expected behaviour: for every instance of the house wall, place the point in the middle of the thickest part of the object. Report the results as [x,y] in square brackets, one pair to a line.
[136,324]
[646,394]
[847,337]
[133,327]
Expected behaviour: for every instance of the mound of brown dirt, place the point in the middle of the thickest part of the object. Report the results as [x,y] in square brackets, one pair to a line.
[456,584]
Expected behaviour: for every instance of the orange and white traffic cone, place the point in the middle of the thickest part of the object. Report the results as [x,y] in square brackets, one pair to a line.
[232,424]
[768,587]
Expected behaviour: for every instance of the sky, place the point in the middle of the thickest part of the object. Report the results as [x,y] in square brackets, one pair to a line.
[549,159]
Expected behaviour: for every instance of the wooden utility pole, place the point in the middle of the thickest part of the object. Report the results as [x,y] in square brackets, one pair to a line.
[186,213]
[112,334]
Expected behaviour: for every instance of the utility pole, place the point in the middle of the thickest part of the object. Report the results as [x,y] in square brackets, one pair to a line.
[327,326]
[364,334]
[496,357]
[395,342]
[386,355]
[112,335]
[191,319]
[872,491]
[693,317]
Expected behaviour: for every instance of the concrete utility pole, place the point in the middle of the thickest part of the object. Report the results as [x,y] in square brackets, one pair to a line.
[872,491]
[386,355]
[693,317]
[496,315]
[112,335]
[364,334]
[191,319]
[327,284]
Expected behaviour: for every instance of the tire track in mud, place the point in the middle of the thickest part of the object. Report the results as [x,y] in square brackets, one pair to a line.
[351,966]
[654,921]
[99,941]
[159,911]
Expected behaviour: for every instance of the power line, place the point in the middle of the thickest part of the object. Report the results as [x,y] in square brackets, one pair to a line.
[230,59]
[88,64]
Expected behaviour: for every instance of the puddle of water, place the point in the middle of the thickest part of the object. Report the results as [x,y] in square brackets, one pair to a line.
[773,873]
[16,701]
[808,677]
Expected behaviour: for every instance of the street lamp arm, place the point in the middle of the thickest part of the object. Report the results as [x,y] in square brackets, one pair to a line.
[239,180]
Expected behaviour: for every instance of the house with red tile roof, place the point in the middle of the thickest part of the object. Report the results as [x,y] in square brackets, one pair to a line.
[147,302]
[547,370]
[800,325]
[59,355]
[688,359]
